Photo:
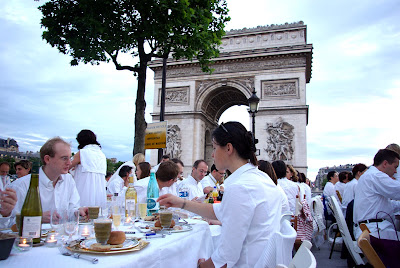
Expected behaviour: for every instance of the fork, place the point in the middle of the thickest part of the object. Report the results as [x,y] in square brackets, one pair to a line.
[64,251]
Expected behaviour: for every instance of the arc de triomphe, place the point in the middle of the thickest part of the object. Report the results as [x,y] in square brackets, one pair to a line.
[275,60]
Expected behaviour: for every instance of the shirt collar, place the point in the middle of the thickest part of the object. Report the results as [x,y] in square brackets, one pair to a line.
[192,180]
[45,181]
[231,179]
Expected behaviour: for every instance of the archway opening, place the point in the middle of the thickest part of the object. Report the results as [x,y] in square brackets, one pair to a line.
[238,113]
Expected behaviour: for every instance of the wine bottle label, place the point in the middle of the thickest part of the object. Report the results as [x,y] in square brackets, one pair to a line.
[31,226]
[152,203]
[130,204]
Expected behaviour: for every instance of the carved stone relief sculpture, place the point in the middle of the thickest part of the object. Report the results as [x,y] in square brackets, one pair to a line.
[280,88]
[280,140]
[178,95]
[173,142]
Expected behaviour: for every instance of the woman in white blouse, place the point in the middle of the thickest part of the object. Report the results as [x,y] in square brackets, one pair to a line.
[248,215]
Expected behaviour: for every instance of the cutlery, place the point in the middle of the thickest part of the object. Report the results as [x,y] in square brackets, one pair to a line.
[64,251]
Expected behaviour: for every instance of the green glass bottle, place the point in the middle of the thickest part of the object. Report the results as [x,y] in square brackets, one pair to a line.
[31,212]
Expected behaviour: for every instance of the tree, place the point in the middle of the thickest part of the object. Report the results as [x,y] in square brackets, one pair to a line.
[94,31]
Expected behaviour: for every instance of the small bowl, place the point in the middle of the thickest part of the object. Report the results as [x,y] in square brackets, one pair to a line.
[6,244]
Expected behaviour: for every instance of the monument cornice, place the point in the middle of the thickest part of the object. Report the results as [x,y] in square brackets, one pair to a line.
[279,110]
[184,115]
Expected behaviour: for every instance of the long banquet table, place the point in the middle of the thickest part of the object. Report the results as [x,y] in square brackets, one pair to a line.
[175,250]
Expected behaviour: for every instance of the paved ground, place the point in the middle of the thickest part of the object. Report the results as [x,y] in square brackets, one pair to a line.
[322,257]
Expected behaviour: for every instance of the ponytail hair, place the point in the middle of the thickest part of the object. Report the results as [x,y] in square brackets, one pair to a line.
[241,139]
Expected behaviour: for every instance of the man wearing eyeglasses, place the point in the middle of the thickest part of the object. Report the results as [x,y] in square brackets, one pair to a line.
[192,182]
[215,178]
[56,186]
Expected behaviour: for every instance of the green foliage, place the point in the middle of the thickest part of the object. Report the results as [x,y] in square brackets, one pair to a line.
[112,167]
[94,31]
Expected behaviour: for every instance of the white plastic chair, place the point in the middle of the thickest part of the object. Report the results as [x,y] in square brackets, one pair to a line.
[351,245]
[279,247]
[304,257]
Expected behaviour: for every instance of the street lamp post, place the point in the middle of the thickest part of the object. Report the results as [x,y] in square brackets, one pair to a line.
[253,104]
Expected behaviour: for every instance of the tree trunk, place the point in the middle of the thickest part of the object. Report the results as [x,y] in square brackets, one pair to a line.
[140,121]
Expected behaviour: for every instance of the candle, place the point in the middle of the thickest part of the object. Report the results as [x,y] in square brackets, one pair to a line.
[128,220]
[51,240]
[23,243]
[86,231]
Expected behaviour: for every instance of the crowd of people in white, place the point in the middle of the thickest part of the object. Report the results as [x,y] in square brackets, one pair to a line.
[256,194]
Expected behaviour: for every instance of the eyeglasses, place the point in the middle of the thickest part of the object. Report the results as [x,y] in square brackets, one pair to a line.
[203,171]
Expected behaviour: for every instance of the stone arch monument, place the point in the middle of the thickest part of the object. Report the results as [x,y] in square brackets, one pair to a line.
[275,60]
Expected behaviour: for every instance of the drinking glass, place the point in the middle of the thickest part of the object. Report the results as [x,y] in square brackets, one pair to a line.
[165,218]
[118,213]
[102,230]
[56,220]
[142,210]
[71,222]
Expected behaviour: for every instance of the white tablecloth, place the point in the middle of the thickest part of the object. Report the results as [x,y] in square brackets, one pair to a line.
[176,250]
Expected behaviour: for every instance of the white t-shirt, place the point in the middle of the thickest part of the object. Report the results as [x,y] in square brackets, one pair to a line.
[348,193]
[63,196]
[250,214]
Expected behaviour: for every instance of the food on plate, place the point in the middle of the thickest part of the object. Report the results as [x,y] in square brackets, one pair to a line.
[158,224]
[150,218]
[116,237]
[100,247]
[178,228]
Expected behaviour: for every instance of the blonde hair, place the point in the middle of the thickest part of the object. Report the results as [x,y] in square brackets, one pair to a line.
[394,147]
[138,158]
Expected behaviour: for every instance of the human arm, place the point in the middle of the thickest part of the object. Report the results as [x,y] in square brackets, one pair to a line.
[202,209]
[8,200]
[208,189]
[76,160]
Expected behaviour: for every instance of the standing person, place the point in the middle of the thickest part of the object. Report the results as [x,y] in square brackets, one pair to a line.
[376,191]
[23,168]
[289,187]
[91,167]
[192,183]
[246,208]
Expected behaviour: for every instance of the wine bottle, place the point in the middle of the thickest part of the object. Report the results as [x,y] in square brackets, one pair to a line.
[152,194]
[130,200]
[31,212]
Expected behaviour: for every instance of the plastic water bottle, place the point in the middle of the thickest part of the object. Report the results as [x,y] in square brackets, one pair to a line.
[152,194]
[184,192]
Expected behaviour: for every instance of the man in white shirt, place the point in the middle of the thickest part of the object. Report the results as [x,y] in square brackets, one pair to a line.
[192,183]
[349,190]
[166,177]
[290,188]
[57,187]
[329,189]
[376,191]
[180,167]
[120,183]
[214,178]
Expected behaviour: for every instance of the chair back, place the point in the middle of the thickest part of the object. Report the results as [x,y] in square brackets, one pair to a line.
[339,196]
[279,247]
[369,252]
[304,257]
[350,244]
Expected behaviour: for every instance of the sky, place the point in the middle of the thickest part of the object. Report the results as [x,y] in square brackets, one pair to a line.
[353,94]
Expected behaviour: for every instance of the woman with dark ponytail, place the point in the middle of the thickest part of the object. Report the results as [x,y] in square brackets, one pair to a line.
[250,211]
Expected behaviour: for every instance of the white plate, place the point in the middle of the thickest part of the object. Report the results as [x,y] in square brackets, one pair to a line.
[126,245]
[185,228]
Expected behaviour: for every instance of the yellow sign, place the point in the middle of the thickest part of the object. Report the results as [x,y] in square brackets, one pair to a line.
[156,135]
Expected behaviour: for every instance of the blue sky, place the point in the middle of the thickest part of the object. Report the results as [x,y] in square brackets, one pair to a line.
[353,94]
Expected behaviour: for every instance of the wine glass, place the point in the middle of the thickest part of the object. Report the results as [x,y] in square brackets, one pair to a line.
[71,222]
[118,213]
[56,220]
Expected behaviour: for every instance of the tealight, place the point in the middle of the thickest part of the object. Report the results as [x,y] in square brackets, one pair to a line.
[86,231]
[51,240]
[23,243]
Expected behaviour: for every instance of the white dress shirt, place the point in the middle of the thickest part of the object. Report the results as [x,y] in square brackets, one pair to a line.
[208,181]
[195,189]
[348,193]
[285,201]
[374,192]
[329,190]
[63,196]
[250,214]
[117,186]
[291,189]
[307,191]
[339,186]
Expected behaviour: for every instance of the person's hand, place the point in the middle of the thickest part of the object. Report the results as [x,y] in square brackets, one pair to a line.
[213,222]
[8,199]
[170,200]
[200,261]
[84,211]
[46,216]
